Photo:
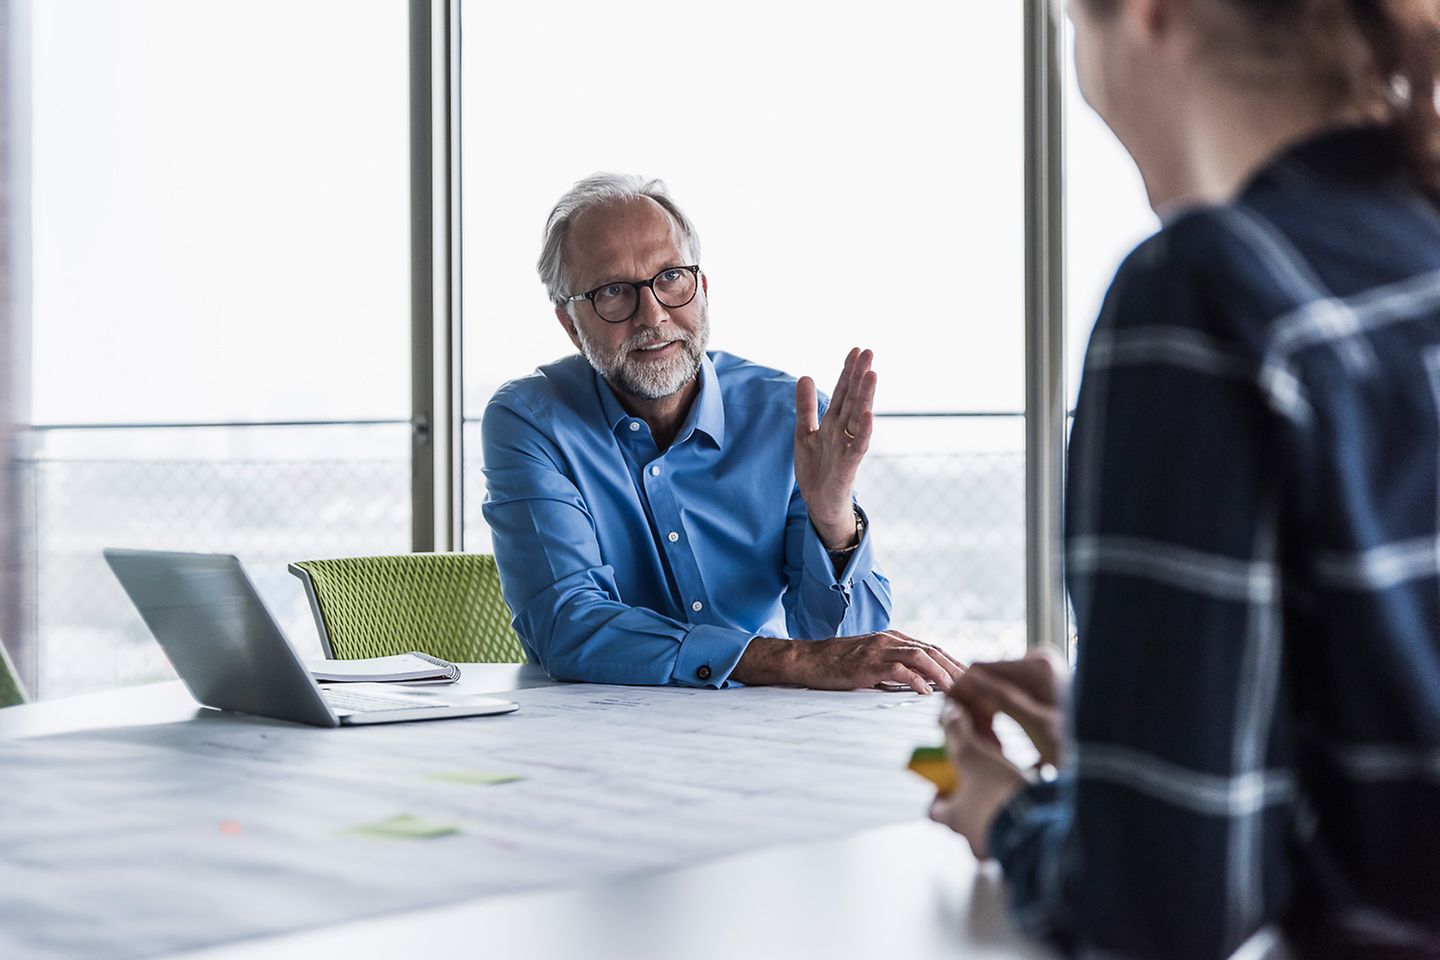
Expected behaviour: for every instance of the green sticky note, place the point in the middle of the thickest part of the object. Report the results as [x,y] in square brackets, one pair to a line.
[476,778]
[928,754]
[405,827]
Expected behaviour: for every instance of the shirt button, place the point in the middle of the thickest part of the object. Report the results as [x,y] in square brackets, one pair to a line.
[654,471]
[703,673]
[672,536]
[634,425]
[697,606]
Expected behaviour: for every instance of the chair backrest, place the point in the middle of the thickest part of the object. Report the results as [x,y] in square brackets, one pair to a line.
[445,604]
[11,692]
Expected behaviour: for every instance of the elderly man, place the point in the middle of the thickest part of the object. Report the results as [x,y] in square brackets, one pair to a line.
[654,520]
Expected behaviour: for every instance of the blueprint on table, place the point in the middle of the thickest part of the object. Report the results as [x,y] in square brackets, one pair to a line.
[147,840]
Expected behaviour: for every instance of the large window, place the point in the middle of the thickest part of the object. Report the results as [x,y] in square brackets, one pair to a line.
[877,155]
[1106,215]
[207,334]
[218,302]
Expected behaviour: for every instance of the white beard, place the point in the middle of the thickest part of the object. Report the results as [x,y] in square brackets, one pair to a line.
[650,380]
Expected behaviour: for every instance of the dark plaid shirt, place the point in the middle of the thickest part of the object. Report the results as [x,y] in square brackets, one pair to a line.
[1253,553]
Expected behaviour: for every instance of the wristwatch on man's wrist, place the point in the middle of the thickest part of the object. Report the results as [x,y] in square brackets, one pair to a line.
[859,535]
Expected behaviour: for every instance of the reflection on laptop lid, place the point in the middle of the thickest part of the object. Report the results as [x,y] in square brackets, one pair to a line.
[232,655]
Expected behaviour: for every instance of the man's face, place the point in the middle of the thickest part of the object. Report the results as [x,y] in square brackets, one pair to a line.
[658,350]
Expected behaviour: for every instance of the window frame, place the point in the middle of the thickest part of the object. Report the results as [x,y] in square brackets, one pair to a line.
[436,245]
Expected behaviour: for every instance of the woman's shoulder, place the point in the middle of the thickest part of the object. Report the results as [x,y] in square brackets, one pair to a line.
[1226,269]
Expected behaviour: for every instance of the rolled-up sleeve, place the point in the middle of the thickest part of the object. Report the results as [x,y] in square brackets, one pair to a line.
[820,603]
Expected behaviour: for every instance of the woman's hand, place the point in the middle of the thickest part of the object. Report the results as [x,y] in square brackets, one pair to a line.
[1032,691]
[986,781]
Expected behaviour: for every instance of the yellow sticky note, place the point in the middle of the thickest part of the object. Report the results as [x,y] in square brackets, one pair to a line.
[932,764]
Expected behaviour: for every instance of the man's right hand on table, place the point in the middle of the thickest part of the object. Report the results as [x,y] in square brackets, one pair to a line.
[848,663]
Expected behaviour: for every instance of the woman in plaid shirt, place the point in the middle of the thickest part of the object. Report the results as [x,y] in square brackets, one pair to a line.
[1253,511]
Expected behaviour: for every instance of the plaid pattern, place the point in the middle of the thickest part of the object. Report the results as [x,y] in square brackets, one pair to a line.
[1253,552]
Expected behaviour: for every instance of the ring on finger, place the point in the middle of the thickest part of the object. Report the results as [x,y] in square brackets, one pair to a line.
[847,433]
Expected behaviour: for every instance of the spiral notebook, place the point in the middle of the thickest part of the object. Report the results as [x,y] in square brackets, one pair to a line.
[413,667]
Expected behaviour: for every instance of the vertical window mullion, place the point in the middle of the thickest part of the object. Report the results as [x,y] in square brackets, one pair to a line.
[1044,327]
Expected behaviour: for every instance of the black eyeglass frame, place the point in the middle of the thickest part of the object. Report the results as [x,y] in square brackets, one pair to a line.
[694,269]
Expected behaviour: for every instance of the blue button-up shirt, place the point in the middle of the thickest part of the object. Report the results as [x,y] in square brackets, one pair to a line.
[625,564]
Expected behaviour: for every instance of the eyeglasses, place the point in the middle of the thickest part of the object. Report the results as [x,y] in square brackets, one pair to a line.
[617,301]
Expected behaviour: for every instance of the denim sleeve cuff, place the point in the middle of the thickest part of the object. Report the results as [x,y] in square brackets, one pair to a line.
[708,655]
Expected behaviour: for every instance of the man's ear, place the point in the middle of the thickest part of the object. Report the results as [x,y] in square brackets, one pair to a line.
[704,283]
[562,313]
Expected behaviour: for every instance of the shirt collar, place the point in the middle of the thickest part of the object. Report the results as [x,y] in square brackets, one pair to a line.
[1366,153]
[707,413]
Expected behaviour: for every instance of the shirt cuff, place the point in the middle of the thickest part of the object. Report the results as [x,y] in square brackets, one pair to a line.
[708,655]
[859,565]
[1011,825]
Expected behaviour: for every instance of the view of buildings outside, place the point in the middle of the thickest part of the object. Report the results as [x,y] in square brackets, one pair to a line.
[233,247]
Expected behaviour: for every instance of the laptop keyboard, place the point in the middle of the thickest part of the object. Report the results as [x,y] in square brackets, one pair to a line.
[369,702]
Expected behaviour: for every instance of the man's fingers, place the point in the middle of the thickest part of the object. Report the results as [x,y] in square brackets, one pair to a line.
[807,417]
[837,399]
[948,663]
[863,397]
[900,673]
[856,374]
[857,435]
[842,385]
[919,660]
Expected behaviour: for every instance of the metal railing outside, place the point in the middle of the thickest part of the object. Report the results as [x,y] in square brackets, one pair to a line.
[312,489]
[948,510]
[949,527]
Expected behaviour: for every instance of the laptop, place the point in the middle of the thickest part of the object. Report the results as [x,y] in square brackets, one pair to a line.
[232,655]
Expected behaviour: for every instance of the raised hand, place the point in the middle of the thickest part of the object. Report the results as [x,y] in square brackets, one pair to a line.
[828,454]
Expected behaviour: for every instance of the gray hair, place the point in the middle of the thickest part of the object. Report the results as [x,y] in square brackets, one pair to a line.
[594,190]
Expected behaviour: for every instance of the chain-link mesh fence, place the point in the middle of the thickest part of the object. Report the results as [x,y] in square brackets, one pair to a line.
[949,531]
[949,528]
[950,535]
[267,512]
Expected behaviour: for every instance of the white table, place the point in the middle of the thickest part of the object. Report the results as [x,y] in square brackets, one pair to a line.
[910,890]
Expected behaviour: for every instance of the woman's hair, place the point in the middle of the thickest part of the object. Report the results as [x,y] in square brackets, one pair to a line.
[1404,41]
[1385,52]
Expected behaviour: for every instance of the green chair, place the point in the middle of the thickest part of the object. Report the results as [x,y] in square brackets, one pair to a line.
[11,692]
[444,604]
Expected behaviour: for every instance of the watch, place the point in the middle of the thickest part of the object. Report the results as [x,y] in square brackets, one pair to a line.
[859,535]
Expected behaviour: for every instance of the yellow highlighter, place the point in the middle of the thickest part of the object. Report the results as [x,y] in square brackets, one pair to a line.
[932,764]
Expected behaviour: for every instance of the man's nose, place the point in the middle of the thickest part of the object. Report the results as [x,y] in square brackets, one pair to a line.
[649,312]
